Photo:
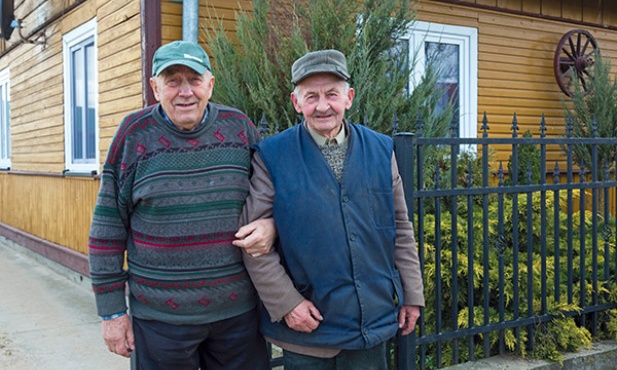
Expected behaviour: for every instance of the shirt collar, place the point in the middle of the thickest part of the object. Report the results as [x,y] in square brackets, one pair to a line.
[341,138]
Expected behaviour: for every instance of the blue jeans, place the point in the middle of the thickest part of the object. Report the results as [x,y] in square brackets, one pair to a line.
[231,344]
[367,359]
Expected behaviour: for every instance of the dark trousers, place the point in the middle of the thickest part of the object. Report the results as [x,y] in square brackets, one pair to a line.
[231,344]
[366,359]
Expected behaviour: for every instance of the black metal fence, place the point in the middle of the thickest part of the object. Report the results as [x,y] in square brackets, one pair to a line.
[505,253]
[532,245]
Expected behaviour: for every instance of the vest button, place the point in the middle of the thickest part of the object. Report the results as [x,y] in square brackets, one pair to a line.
[352,237]
[345,199]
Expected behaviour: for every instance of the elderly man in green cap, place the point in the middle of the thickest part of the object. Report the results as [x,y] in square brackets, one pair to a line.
[345,275]
[172,189]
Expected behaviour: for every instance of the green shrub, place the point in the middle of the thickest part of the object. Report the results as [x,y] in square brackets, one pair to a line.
[563,333]
[253,72]
[597,107]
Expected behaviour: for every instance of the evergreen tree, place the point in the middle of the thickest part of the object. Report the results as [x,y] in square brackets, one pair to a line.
[253,71]
[596,107]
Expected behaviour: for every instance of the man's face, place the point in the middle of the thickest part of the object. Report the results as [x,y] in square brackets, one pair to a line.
[184,94]
[323,99]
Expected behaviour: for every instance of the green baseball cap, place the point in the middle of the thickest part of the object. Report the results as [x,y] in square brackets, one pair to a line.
[185,53]
[322,61]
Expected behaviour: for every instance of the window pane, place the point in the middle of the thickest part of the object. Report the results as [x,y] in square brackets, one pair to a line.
[78,103]
[90,134]
[81,120]
[446,58]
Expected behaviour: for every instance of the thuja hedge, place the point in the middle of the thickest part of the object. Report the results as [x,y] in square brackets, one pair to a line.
[565,332]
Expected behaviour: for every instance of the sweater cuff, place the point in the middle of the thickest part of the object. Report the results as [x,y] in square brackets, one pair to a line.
[114,316]
[285,305]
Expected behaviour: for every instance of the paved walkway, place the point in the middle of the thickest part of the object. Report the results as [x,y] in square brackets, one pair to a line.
[47,316]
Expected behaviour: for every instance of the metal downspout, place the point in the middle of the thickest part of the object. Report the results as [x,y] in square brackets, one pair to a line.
[190,20]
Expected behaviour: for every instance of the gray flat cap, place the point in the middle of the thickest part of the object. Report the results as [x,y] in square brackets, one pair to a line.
[322,61]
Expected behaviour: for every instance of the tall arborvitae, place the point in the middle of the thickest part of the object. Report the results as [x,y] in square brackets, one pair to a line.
[597,105]
[253,70]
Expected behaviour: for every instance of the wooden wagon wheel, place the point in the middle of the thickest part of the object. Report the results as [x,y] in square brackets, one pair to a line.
[574,58]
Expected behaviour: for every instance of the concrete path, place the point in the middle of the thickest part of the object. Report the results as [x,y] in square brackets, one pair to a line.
[47,316]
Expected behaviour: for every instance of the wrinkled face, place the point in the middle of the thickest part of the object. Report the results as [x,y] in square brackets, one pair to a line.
[184,95]
[323,99]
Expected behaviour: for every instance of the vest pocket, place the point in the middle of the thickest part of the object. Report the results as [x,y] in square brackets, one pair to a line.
[382,208]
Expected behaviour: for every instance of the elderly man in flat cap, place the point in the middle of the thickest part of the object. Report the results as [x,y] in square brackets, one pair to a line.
[172,189]
[345,275]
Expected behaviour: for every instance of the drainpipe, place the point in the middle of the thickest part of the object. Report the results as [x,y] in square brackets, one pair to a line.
[190,20]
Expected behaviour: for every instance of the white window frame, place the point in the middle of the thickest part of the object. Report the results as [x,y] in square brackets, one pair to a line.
[70,40]
[467,40]
[5,119]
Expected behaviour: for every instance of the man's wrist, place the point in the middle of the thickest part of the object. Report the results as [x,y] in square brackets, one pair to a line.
[114,316]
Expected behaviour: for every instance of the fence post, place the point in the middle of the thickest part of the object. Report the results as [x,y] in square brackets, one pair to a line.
[403,151]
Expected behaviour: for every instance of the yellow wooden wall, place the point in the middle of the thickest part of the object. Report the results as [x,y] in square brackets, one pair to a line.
[600,12]
[211,12]
[59,209]
[37,130]
[515,66]
[56,209]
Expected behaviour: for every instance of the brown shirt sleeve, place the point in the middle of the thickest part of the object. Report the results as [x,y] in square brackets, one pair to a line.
[406,253]
[274,286]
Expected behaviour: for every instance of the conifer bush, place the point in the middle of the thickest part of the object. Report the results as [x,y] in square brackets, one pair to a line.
[253,71]
[594,113]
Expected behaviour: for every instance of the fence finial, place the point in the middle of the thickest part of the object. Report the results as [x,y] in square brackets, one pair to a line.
[484,125]
[419,125]
[263,128]
[514,126]
[556,173]
[543,126]
[395,125]
[469,176]
[570,126]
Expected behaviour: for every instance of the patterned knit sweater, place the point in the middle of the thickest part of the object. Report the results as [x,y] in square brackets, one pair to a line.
[170,200]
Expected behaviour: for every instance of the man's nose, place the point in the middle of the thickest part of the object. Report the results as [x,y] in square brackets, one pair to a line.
[185,88]
[323,105]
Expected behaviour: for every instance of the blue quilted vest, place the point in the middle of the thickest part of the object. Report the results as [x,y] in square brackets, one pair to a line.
[336,240]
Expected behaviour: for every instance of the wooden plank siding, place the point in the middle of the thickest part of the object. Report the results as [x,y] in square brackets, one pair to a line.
[55,208]
[515,66]
[211,12]
[599,12]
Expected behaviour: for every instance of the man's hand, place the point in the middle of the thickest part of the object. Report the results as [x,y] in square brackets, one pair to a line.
[407,317]
[305,317]
[257,237]
[118,335]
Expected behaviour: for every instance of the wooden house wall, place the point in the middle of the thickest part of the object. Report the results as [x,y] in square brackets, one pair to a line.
[211,12]
[35,197]
[592,11]
[515,66]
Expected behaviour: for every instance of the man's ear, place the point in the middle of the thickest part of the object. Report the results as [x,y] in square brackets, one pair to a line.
[350,94]
[155,88]
[294,99]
